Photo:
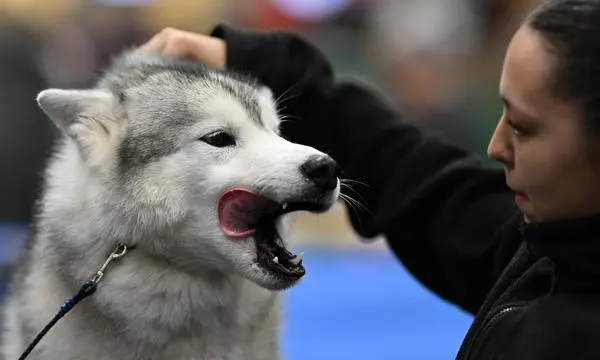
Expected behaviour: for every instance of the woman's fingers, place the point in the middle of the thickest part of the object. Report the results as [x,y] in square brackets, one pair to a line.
[188,45]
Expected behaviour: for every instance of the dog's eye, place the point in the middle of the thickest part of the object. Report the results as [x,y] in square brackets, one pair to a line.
[219,139]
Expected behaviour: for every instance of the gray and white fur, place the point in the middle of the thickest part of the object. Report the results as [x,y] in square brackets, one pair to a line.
[131,169]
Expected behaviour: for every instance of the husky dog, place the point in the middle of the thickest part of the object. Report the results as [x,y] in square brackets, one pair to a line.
[185,166]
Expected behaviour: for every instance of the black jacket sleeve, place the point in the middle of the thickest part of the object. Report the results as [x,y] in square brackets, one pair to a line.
[438,207]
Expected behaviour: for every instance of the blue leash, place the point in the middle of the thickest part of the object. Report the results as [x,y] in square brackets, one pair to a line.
[86,290]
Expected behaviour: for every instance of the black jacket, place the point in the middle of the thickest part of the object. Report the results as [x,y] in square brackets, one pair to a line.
[534,288]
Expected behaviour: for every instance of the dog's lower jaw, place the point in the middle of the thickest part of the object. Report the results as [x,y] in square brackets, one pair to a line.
[165,315]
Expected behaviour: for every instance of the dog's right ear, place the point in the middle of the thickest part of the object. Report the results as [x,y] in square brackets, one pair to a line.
[67,108]
[87,116]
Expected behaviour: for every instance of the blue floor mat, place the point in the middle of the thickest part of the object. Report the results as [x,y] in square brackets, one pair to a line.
[12,238]
[366,306]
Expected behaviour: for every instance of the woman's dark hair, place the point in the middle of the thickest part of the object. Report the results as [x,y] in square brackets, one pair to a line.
[571,29]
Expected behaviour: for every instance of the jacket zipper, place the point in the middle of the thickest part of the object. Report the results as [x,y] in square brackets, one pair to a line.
[480,335]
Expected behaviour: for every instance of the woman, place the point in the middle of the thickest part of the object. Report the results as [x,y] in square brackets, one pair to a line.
[519,249]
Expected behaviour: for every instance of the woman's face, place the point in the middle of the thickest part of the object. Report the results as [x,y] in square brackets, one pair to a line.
[552,162]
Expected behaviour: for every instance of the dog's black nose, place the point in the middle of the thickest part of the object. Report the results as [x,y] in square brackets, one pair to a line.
[322,170]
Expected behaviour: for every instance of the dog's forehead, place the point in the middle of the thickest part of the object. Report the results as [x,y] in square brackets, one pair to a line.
[178,100]
[175,90]
[168,103]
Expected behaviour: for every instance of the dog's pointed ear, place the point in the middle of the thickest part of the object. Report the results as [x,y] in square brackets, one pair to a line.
[87,116]
[67,107]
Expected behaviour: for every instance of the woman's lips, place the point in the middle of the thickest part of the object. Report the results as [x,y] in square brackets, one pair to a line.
[520,197]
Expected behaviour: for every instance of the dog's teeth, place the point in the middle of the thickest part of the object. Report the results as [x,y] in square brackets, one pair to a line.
[296,260]
[276,260]
[284,206]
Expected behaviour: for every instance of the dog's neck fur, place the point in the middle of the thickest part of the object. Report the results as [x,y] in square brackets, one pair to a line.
[173,306]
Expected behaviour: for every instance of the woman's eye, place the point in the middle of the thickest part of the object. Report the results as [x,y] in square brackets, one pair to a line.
[218,139]
[518,130]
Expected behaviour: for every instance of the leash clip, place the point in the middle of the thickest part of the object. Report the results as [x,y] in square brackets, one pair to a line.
[86,290]
[119,251]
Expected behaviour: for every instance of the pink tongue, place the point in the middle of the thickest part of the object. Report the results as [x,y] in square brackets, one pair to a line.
[240,210]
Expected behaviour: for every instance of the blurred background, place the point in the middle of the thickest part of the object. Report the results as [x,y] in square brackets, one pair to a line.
[439,60]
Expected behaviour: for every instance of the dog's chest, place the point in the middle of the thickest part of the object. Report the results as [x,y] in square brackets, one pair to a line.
[247,331]
[245,328]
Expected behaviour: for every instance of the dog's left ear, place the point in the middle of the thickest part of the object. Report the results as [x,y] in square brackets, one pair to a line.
[87,116]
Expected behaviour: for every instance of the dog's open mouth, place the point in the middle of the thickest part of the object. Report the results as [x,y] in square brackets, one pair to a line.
[244,213]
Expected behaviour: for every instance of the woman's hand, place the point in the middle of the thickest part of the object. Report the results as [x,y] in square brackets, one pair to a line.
[188,45]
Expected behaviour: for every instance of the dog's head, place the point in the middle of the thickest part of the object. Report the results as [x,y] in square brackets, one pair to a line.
[189,160]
